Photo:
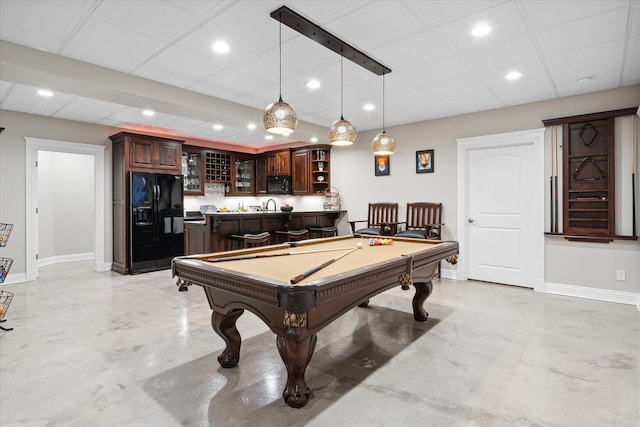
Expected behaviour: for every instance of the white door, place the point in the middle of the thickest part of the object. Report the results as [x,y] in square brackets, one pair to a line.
[500,220]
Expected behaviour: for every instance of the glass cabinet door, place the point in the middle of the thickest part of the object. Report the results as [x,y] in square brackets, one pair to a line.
[244,176]
[192,171]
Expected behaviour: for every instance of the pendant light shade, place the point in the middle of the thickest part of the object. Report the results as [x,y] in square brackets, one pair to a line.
[384,143]
[342,132]
[279,117]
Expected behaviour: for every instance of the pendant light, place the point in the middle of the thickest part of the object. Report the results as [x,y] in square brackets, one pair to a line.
[384,143]
[279,117]
[342,132]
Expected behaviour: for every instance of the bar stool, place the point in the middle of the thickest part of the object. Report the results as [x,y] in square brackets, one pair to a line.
[250,240]
[325,231]
[294,235]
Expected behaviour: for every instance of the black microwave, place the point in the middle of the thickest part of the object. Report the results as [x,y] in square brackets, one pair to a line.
[280,184]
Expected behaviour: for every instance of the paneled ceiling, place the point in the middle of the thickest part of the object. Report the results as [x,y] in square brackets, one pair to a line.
[107,60]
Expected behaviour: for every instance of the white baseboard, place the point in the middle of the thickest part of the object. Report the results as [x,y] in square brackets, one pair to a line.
[100,267]
[608,295]
[65,258]
[446,273]
[14,278]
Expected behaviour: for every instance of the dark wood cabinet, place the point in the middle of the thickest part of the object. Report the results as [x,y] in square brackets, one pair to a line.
[311,169]
[244,172]
[152,153]
[193,171]
[136,153]
[301,176]
[261,174]
[279,163]
[588,196]
[589,177]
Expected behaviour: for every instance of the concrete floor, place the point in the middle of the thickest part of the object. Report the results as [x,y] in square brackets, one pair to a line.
[101,349]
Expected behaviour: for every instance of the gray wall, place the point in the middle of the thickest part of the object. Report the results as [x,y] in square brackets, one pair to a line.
[567,263]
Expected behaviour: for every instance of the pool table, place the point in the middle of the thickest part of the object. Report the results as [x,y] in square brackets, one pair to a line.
[260,280]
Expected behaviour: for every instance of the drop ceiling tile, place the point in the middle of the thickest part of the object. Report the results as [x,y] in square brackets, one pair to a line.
[505,20]
[359,28]
[161,20]
[434,72]
[121,45]
[547,14]
[599,29]
[588,57]
[474,101]
[411,51]
[459,86]
[507,53]
[203,7]
[87,110]
[178,67]
[16,21]
[604,77]
[436,13]
[534,85]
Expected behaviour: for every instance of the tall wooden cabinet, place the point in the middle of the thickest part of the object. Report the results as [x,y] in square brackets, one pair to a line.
[311,169]
[588,175]
[136,153]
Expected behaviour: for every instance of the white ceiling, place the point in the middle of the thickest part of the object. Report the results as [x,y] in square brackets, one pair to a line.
[438,68]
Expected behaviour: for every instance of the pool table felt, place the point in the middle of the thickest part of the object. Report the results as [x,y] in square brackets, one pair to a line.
[283,268]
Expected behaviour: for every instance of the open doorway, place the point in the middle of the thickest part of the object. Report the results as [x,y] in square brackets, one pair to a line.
[36,145]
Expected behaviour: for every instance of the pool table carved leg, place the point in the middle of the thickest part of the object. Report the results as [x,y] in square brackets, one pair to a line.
[296,355]
[225,326]
[423,290]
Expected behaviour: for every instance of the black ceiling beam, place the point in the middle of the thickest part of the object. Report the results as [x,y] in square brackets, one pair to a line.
[307,28]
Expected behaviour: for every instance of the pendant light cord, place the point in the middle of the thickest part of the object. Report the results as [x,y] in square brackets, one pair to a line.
[280,44]
[341,85]
[383,130]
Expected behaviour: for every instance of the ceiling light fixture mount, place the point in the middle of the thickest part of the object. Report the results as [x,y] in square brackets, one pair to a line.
[318,34]
[342,132]
[279,117]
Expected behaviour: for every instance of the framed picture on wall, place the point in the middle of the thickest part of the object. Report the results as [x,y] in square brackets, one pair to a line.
[424,161]
[381,165]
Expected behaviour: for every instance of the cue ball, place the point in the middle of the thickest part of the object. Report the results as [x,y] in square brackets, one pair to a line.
[359,245]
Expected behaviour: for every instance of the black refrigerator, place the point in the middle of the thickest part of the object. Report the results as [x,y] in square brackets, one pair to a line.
[157,220]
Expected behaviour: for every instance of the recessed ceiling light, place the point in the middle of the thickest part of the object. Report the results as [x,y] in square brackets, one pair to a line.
[481,30]
[313,84]
[45,92]
[220,46]
[368,107]
[217,126]
[314,139]
[268,137]
[148,113]
[251,126]
[513,75]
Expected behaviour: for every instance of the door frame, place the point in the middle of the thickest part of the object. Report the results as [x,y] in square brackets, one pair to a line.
[533,137]
[33,145]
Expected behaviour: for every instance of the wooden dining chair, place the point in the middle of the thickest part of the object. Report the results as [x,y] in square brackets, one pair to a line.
[382,220]
[424,221]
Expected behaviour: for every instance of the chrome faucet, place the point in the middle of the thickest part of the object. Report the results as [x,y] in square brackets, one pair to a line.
[266,207]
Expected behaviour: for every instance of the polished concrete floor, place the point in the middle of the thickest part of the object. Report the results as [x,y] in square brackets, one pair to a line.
[101,349]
